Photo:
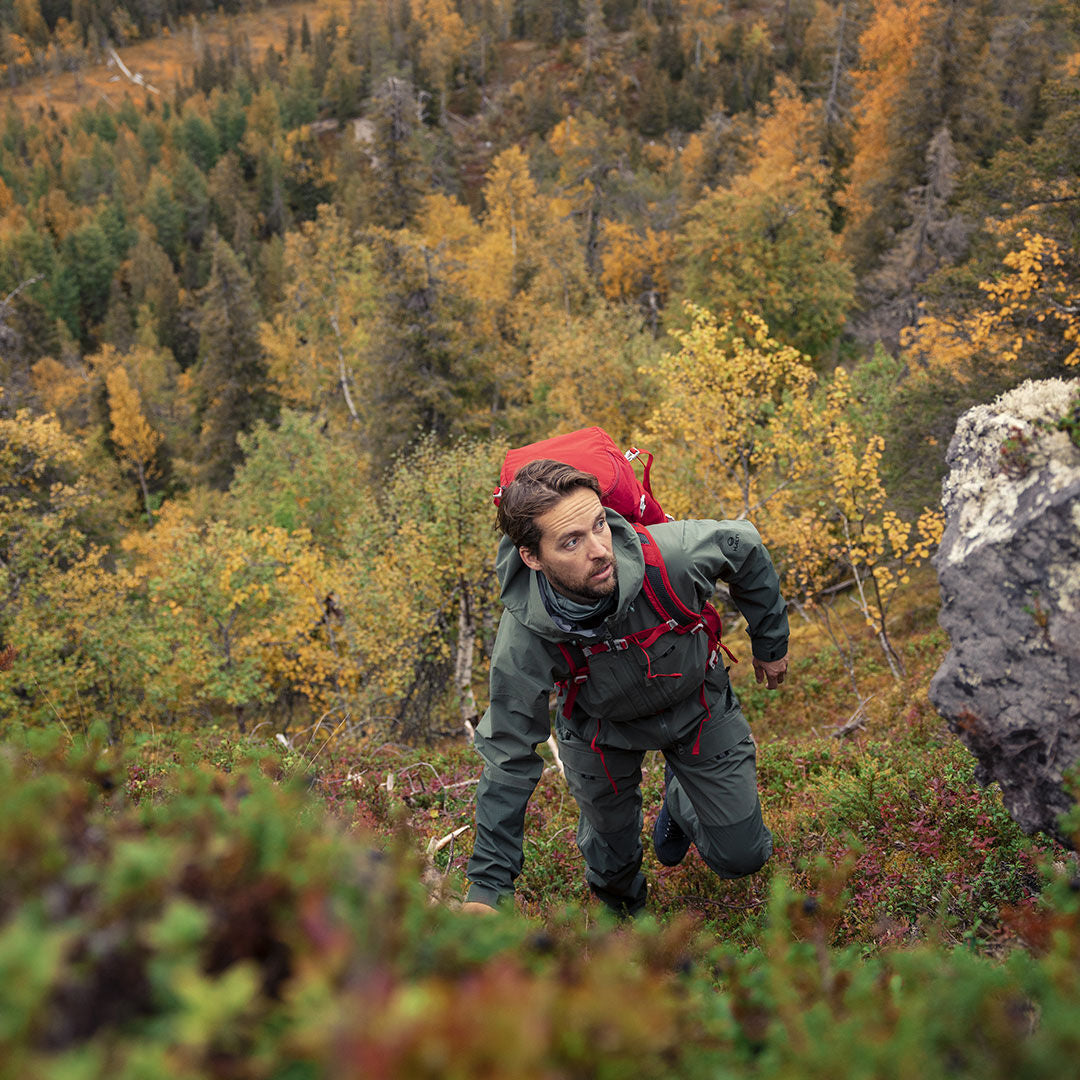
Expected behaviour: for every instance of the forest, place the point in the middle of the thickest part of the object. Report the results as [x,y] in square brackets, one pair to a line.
[279,286]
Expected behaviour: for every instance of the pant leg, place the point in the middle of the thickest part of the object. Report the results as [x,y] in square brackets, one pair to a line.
[714,800]
[610,821]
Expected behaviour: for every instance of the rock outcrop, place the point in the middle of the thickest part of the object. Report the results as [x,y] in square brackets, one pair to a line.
[1009,568]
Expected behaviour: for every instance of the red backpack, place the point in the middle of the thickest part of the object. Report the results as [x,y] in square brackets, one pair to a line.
[594,451]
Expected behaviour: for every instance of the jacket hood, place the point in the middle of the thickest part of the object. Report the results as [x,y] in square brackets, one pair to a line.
[521,590]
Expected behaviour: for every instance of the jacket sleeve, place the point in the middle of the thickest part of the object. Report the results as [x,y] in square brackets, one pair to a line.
[733,552]
[516,722]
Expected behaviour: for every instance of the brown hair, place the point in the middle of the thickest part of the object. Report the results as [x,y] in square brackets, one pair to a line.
[537,486]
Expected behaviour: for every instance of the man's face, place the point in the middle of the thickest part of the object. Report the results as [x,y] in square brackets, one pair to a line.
[575,551]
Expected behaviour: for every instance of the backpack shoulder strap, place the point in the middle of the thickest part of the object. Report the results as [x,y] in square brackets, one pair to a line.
[657,584]
[576,675]
[666,603]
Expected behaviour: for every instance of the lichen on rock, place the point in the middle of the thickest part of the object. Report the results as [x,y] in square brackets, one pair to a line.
[1009,569]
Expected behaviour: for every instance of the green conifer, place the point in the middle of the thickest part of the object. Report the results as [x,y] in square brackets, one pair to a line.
[230,374]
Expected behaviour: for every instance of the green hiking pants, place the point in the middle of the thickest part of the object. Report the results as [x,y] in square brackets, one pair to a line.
[712,796]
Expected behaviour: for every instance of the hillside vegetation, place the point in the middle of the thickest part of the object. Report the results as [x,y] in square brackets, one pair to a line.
[271,314]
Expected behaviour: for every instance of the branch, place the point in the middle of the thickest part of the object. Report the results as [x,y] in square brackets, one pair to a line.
[775,491]
[6,302]
[1052,201]
[437,845]
[854,722]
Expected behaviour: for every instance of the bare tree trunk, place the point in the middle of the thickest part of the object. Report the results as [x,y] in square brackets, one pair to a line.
[343,375]
[863,605]
[832,100]
[896,665]
[463,663]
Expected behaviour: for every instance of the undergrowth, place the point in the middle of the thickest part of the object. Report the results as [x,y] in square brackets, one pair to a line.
[192,910]
[230,906]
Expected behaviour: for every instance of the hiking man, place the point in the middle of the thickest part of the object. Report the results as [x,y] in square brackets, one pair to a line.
[573,577]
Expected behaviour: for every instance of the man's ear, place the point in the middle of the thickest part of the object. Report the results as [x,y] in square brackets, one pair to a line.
[529,558]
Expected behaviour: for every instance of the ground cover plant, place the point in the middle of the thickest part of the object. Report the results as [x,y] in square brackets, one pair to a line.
[229,905]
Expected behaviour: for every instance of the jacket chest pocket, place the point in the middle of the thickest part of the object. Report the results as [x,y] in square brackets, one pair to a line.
[631,683]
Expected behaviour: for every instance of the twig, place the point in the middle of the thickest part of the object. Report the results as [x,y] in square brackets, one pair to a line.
[460,783]
[333,735]
[553,746]
[416,765]
[855,721]
[721,903]
[558,833]
[41,690]
[19,288]
[437,845]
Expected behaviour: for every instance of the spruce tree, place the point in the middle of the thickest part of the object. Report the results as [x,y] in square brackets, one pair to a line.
[230,374]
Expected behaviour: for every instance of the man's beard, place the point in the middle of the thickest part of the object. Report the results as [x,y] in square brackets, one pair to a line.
[582,591]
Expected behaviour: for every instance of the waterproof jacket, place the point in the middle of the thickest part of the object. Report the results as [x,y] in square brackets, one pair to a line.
[629,700]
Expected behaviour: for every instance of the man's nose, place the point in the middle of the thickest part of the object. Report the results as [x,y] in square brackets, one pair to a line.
[597,548]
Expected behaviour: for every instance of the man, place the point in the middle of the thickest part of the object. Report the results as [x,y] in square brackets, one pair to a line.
[572,573]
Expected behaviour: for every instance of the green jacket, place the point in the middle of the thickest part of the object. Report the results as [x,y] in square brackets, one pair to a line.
[617,705]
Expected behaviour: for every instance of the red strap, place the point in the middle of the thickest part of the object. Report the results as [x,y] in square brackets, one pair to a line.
[685,616]
[644,638]
[649,673]
[600,751]
[651,552]
[648,469]
[573,681]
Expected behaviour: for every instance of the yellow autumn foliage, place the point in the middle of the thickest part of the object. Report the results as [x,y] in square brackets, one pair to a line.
[1031,312]
[239,618]
[635,262]
[591,368]
[426,593]
[757,435]
[888,55]
[316,342]
[842,530]
[136,440]
[731,395]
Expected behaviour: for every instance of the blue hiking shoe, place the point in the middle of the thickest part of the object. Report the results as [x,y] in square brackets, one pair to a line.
[669,841]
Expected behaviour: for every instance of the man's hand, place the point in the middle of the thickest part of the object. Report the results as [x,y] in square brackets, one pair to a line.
[474,907]
[770,672]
